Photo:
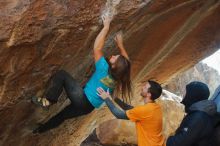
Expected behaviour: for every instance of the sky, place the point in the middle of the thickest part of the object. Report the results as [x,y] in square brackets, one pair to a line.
[213,61]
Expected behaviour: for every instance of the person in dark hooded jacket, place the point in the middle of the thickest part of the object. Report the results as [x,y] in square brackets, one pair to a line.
[197,126]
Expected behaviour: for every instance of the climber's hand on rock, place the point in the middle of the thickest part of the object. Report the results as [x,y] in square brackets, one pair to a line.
[106,20]
[119,38]
[102,93]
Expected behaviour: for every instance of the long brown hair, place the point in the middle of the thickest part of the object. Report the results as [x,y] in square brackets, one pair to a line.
[121,74]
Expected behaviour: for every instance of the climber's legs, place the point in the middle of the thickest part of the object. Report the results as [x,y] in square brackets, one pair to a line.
[79,102]
[60,80]
[70,111]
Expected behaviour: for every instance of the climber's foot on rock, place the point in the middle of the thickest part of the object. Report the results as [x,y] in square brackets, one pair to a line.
[42,102]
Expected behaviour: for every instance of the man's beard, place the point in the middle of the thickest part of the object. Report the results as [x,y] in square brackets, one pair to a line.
[141,94]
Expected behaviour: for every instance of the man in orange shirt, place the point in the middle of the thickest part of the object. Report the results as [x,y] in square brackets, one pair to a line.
[147,117]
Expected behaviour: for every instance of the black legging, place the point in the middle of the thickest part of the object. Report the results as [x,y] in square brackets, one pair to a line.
[79,102]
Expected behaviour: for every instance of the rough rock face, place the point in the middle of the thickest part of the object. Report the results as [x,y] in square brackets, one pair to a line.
[123,135]
[200,72]
[37,37]
[117,132]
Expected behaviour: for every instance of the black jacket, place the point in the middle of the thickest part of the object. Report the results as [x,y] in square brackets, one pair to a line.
[197,126]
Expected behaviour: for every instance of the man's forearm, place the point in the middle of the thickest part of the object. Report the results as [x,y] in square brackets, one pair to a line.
[123,105]
[119,114]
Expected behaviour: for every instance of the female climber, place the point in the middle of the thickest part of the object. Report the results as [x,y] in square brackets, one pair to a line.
[112,74]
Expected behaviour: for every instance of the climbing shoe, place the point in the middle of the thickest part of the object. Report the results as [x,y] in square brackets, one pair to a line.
[42,102]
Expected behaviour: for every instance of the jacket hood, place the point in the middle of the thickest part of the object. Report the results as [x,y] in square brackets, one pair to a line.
[207,106]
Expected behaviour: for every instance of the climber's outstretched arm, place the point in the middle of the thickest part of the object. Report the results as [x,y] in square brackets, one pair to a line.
[100,39]
[119,42]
